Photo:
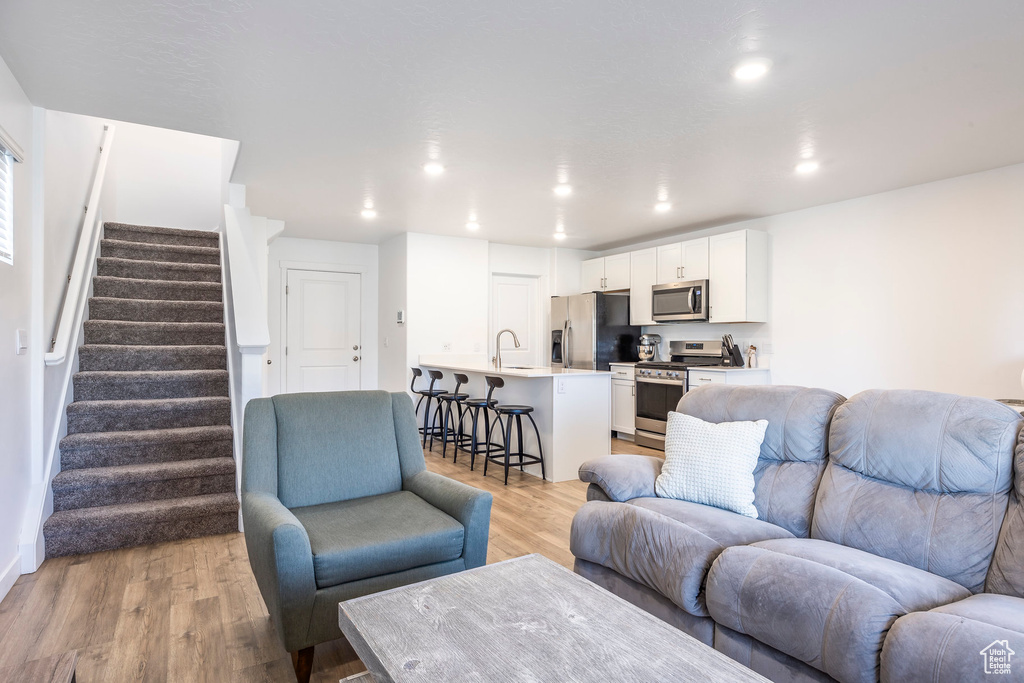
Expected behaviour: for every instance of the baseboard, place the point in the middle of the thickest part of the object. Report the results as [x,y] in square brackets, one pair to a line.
[9,575]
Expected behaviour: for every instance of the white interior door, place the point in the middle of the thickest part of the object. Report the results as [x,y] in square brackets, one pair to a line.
[514,306]
[324,348]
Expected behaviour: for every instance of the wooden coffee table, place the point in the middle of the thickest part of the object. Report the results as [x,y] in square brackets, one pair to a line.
[526,619]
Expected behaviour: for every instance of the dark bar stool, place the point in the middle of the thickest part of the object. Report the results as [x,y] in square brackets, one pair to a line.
[429,393]
[473,407]
[505,414]
[448,417]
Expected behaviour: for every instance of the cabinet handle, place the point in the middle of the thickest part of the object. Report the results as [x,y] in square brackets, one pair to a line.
[682,271]
[634,390]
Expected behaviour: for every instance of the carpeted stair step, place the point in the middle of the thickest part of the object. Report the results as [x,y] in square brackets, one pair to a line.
[141,251]
[165,413]
[138,483]
[144,310]
[99,357]
[156,270]
[153,235]
[155,334]
[110,449]
[87,530]
[165,290]
[131,385]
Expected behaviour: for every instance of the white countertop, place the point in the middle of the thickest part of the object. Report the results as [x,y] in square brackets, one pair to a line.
[506,371]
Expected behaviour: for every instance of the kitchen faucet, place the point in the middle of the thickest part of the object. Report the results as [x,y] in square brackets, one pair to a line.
[497,346]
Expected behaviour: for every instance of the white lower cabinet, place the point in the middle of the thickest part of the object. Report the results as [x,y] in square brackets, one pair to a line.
[696,377]
[623,399]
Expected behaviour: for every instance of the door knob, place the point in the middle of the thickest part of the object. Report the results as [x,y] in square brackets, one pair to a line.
[355,358]
[355,347]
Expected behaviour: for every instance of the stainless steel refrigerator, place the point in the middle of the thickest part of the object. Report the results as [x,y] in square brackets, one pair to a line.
[589,331]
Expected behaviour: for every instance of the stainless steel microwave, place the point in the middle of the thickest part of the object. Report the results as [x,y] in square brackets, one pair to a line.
[679,302]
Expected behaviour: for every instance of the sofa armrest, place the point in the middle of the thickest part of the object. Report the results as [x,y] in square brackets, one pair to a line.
[282,561]
[623,477]
[470,506]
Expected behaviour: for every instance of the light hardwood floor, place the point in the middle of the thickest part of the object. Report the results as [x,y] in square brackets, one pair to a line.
[190,610]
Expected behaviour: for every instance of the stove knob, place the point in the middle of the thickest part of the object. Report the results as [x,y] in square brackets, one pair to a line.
[659,372]
[673,374]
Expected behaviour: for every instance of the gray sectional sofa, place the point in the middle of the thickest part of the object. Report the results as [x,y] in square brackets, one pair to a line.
[889,542]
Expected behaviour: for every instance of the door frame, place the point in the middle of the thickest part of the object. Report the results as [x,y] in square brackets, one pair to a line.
[368,371]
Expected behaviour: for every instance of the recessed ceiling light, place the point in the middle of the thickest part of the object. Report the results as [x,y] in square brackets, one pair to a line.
[663,207]
[751,69]
[563,190]
[433,168]
[559,235]
[473,226]
[368,213]
[805,167]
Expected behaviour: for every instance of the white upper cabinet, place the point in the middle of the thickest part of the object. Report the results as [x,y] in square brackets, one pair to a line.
[738,277]
[605,274]
[695,259]
[682,261]
[670,261]
[642,267]
[616,271]
[592,276]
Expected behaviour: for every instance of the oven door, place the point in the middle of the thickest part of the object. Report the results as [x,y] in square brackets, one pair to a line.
[680,301]
[654,399]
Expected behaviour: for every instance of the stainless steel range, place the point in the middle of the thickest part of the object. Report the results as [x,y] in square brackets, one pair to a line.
[660,385]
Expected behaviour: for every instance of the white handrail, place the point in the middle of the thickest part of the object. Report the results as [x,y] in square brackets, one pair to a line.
[78,281]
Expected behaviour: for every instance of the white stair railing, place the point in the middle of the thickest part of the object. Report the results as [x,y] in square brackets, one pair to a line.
[76,294]
[63,348]
[245,316]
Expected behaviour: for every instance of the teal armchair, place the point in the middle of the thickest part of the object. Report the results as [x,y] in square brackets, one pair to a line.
[337,503]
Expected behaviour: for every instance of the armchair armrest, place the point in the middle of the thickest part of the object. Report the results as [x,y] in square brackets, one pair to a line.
[470,506]
[282,561]
[623,477]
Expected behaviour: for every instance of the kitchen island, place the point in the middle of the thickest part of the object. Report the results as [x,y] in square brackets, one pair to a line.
[572,409]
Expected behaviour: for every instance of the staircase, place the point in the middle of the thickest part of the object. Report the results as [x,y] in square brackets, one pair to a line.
[148,454]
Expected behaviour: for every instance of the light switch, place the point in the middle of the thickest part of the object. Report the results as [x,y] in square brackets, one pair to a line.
[21,342]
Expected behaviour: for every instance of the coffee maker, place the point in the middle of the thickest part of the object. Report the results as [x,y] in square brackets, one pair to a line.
[648,348]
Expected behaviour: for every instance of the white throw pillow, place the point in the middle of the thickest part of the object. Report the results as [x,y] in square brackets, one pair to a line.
[712,464]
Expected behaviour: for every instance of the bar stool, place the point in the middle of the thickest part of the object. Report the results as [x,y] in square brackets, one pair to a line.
[429,393]
[448,417]
[508,411]
[473,408]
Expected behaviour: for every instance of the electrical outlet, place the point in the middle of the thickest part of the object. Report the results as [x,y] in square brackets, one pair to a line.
[446,347]
[387,342]
[476,347]
[560,385]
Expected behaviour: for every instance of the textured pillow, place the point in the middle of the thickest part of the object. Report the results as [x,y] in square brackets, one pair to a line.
[711,464]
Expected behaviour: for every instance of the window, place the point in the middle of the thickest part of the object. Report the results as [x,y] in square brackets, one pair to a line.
[9,154]
[6,201]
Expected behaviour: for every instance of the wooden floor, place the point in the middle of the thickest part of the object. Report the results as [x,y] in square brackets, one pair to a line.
[190,610]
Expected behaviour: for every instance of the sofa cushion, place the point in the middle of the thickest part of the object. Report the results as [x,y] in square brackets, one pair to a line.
[794,448]
[921,478]
[377,535]
[947,643]
[711,463]
[666,545]
[827,605]
[1006,575]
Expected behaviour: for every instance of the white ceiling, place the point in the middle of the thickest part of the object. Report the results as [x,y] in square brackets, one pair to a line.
[336,100]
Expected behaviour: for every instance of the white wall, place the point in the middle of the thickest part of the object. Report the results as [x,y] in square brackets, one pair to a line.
[322,255]
[16,409]
[915,288]
[169,178]
[392,349]
[447,295]
[565,270]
